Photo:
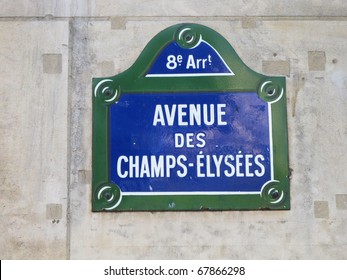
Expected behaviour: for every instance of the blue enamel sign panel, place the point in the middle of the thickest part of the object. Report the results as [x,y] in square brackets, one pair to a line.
[190,128]
[207,142]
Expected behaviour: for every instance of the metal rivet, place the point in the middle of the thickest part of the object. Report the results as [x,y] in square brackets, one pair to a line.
[275,194]
[270,92]
[188,37]
[108,92]
[107,195]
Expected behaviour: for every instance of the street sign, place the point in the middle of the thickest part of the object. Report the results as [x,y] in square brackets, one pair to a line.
[189,127]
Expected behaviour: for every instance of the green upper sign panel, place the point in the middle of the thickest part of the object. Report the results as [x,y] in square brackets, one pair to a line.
[189,127]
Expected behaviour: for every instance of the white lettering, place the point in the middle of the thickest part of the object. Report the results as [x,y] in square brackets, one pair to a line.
[207,115]
[194,114]
[144,167]
[217,161]
[239,165]
[199,165]
[181,114]
[210,166]
[157,167]
[230,173]
[179,140]
[170,114]
[190,62]
[182,173]
[134,167]
[201,142]
[221,113]
[158,115]
[257,162]
[190,139]
[196,64]
[170,164]
[119,167]
[248,165]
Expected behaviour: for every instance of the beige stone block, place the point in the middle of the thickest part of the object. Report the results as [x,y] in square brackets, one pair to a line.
[341,201]
[107,68]
[84,176]
[321,209]
[118,23]
[248,23]
[54,211]
[316,60]
[281,67]
[52,63]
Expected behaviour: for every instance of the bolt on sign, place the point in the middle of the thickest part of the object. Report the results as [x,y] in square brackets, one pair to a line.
[189,127]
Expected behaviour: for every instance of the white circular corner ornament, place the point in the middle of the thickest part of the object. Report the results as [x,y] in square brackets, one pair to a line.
[107,192]
[99,84]
[272,192]
[271,91]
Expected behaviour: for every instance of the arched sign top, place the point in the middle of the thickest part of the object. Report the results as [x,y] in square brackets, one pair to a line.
[189,127]
[190,51]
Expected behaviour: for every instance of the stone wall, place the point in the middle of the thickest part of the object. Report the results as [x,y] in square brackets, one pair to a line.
[49,52]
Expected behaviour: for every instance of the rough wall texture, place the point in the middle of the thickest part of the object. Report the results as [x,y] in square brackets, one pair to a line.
[49,52]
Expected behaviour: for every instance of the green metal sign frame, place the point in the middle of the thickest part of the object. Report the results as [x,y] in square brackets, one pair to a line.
[107,91]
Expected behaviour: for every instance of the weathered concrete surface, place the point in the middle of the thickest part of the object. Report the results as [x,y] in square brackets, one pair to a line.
[49,52]
[44,8]
[165,8]
[220,8]
[33,140]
